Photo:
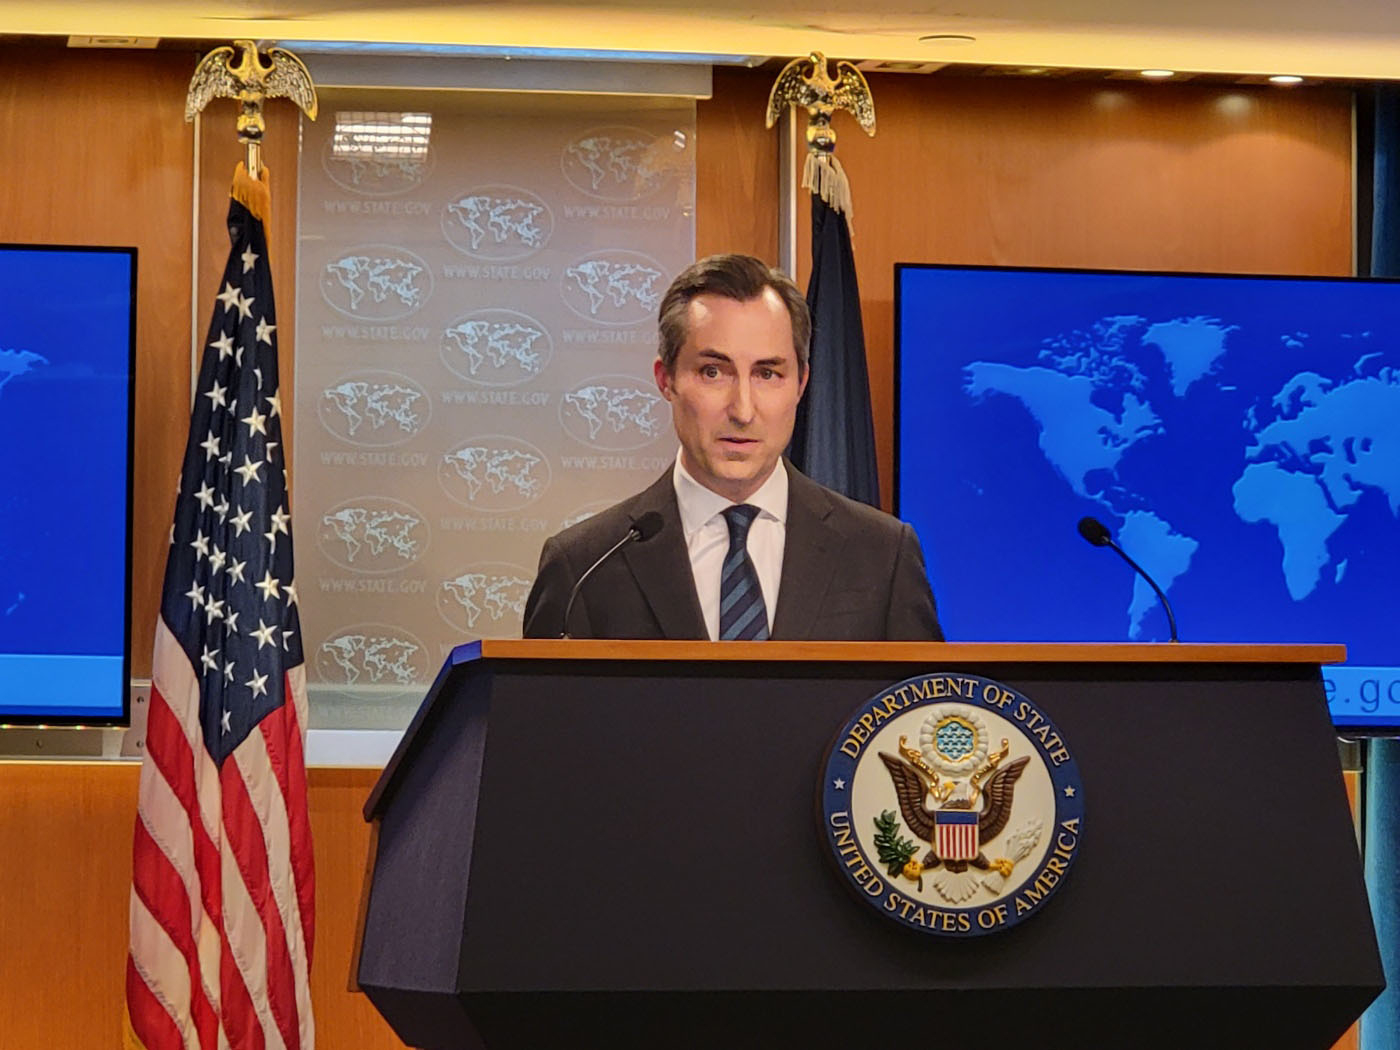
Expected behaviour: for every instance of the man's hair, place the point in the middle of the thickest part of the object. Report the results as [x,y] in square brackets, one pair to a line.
[737,277]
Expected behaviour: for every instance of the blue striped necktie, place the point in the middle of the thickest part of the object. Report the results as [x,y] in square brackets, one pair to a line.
[742,615]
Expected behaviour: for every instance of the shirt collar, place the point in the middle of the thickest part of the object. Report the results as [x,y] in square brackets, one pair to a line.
[698,505]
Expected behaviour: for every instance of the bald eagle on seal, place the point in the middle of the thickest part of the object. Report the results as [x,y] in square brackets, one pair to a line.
[997,795]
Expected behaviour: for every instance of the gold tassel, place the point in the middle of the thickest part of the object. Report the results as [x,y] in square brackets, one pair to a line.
[823,175]
[255,196]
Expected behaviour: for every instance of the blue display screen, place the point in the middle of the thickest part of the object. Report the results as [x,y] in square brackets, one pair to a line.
[66,352]
[1238,436]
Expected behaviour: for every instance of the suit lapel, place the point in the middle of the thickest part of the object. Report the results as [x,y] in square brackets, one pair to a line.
[661,566]
[810,551]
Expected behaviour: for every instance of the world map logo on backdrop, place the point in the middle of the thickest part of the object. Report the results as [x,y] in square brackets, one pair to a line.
[497,223]
[376,282]
[614,287]
[374,409]
[486,600]
[494,473]
[373,655]
[372,175]
[613,413]
[373,534]
[615,164]
[495,347]
[1308,455]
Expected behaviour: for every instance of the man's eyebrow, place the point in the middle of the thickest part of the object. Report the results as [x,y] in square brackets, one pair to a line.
[714,355]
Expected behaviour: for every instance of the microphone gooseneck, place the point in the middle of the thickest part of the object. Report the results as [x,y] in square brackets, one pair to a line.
[1096,532]
[642,529]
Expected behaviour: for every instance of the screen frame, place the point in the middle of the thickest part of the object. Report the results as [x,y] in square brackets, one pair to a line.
[121,717]
[1353,725]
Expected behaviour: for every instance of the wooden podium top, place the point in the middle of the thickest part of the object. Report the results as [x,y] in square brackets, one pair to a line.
[900,652]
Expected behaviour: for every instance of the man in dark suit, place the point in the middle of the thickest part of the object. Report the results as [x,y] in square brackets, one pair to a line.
[747,548]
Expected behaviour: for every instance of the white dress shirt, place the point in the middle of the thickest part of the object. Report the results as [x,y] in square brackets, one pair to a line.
[707,538]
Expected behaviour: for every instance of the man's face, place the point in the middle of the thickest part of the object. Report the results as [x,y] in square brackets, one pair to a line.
[734,391]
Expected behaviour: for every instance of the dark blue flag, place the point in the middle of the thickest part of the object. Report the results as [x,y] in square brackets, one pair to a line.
[834,439]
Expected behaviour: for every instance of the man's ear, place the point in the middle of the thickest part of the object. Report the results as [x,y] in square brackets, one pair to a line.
[806,375]
[663,378]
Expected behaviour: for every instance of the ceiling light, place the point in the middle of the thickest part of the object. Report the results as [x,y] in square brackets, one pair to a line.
[947,38]
[1157,74]
[1285,78]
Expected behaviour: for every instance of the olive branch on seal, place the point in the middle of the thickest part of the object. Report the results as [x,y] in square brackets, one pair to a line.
[894,851]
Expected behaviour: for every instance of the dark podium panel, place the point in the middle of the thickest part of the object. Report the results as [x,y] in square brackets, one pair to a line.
[606,844]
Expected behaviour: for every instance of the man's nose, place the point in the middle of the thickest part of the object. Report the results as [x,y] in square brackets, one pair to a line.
[741,401]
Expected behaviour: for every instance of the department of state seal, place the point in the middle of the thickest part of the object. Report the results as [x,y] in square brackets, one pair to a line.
[952,804]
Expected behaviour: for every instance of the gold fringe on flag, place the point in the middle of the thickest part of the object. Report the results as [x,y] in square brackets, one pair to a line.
[256,196]
[823,175]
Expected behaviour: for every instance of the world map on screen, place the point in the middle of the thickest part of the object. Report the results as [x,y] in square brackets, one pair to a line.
[1239,437]
[1309,453]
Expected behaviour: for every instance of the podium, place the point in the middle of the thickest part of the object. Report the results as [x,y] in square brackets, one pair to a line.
[615,844]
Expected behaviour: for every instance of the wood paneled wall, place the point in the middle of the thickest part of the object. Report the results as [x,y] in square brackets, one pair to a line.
[976,171]
[65,880]
[736,168]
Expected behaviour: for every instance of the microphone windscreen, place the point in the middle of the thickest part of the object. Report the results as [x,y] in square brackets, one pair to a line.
[648,525]
[1095,531]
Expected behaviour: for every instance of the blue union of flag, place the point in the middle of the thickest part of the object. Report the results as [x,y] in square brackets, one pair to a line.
[956,834]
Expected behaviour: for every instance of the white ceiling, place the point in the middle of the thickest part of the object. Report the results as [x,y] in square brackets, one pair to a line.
[1339,38]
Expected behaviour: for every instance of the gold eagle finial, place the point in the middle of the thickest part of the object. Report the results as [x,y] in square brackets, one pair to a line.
[805,82]
[245,73]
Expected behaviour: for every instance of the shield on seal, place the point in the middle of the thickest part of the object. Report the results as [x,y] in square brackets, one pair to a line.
[955,835]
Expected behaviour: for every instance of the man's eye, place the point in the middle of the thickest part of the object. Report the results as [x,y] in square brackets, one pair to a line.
[710,371]
[767,373]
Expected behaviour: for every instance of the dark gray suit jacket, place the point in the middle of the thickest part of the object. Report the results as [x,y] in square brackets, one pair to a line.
[850,573]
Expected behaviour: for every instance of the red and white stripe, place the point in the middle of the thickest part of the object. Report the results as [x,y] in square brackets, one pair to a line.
[223,886]
[957,841]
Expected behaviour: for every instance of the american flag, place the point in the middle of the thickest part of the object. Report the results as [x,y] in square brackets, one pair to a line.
[222,895]
[956,833]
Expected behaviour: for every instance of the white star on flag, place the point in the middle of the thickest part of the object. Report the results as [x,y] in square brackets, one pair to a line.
[249,470]
[229,296]
[268,585]
[255,421]
[264,633]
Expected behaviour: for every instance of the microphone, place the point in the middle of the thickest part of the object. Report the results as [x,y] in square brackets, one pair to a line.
[641,530]
[1096,532]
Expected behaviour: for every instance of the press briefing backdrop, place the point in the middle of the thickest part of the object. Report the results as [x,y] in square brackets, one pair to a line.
[477,295]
